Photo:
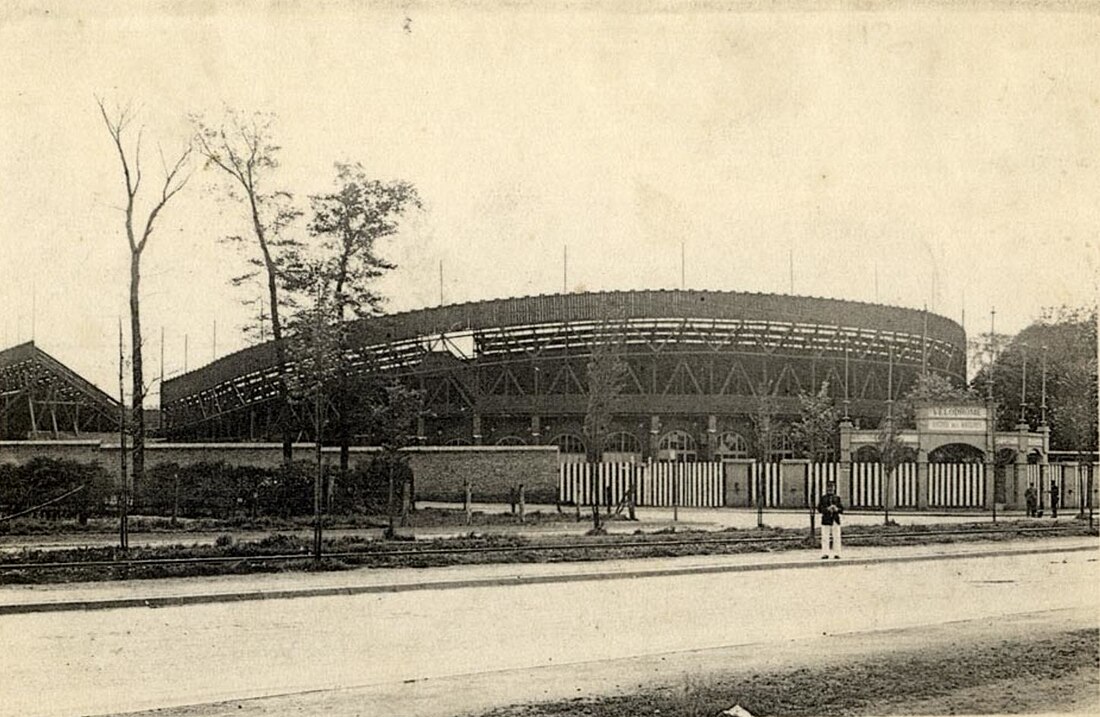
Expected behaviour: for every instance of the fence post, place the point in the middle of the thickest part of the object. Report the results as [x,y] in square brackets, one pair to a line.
[675,491]
[811,495]
[522,505]
[758,469]
[633,492]
[922,480]
[467,501]
[406,501]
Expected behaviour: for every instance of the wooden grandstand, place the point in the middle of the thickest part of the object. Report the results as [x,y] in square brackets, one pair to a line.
[41,398]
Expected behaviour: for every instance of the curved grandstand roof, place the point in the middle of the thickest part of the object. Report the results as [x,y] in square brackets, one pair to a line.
[594,307]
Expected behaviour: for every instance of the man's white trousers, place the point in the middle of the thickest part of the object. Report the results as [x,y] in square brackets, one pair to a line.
[830,534]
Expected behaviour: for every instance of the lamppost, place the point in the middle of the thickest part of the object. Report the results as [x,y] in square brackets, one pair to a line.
[1043,427]
[992,412]
[1023,387]
[759,493]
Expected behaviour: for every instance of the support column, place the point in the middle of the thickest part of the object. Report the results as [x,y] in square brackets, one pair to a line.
[1014,491]
[990,478]
[712,437]
[477,429]
[844,478]
[1044,469]
[922,479]
[421,436]
[536,431]
[654,436]
[990,483]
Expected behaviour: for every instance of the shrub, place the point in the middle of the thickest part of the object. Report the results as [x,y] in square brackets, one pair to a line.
[40,480]
[365,488]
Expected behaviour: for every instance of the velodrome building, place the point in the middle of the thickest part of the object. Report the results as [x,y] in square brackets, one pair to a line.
[513,371]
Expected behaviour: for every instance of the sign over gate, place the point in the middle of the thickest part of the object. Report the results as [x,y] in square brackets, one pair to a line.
[960,418]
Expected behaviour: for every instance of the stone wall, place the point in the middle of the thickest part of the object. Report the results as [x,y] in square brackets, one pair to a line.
[439,471]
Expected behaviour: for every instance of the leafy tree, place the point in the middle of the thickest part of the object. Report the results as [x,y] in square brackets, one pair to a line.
[930,388]
[346,225]
[388,410]
[1065,340]
[348,222]
[606,374]
[766,429]
[138,233]
[814,436]
[315,351]
[892,453]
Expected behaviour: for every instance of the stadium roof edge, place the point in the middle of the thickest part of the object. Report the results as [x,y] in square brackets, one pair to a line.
[471,305]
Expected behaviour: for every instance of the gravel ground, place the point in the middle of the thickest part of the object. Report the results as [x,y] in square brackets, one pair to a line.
[1057,672]
[1037,662]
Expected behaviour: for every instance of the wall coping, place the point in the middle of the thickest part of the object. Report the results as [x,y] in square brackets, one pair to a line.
[101,445]
[87,444]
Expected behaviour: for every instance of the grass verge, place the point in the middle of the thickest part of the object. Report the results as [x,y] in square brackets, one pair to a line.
[243,557]
[420,518]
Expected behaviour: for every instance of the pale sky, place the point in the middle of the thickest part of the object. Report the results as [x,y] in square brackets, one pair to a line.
[956,151]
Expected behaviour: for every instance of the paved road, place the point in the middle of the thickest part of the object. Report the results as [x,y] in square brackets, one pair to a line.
[120,660]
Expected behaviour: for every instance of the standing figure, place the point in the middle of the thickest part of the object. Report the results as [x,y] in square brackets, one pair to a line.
[1032,500]
[830,508]
[1055,495]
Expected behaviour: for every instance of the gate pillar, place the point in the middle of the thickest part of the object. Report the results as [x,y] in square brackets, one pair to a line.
[990,482]
[922,480]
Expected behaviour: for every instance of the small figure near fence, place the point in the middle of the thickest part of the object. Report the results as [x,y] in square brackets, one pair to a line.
[1055,499]
[830,508]
[1032,500]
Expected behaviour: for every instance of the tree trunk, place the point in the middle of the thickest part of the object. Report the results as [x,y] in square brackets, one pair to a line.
[317,478]
[343,433]
[342,422]
[276,328]
[391,530]
[137,465]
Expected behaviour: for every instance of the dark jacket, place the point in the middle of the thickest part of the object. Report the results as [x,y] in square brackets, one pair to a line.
[830,508]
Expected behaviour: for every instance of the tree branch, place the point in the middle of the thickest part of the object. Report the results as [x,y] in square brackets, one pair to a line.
[167,192]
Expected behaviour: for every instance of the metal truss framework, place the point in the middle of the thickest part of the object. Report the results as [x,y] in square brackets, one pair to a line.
[43,397]
[503,361]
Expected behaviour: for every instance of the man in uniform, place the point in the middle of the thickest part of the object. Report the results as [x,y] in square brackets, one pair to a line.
[830,508]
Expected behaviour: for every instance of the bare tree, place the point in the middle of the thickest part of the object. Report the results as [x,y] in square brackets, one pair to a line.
[138,233]
[243,149]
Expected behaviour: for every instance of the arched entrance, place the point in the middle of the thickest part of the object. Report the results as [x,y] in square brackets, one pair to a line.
[622,447]
[956,453]
[866,454]
[676,446]
[731,446]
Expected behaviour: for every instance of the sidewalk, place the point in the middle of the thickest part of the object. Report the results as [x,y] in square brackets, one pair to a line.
[17,599]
